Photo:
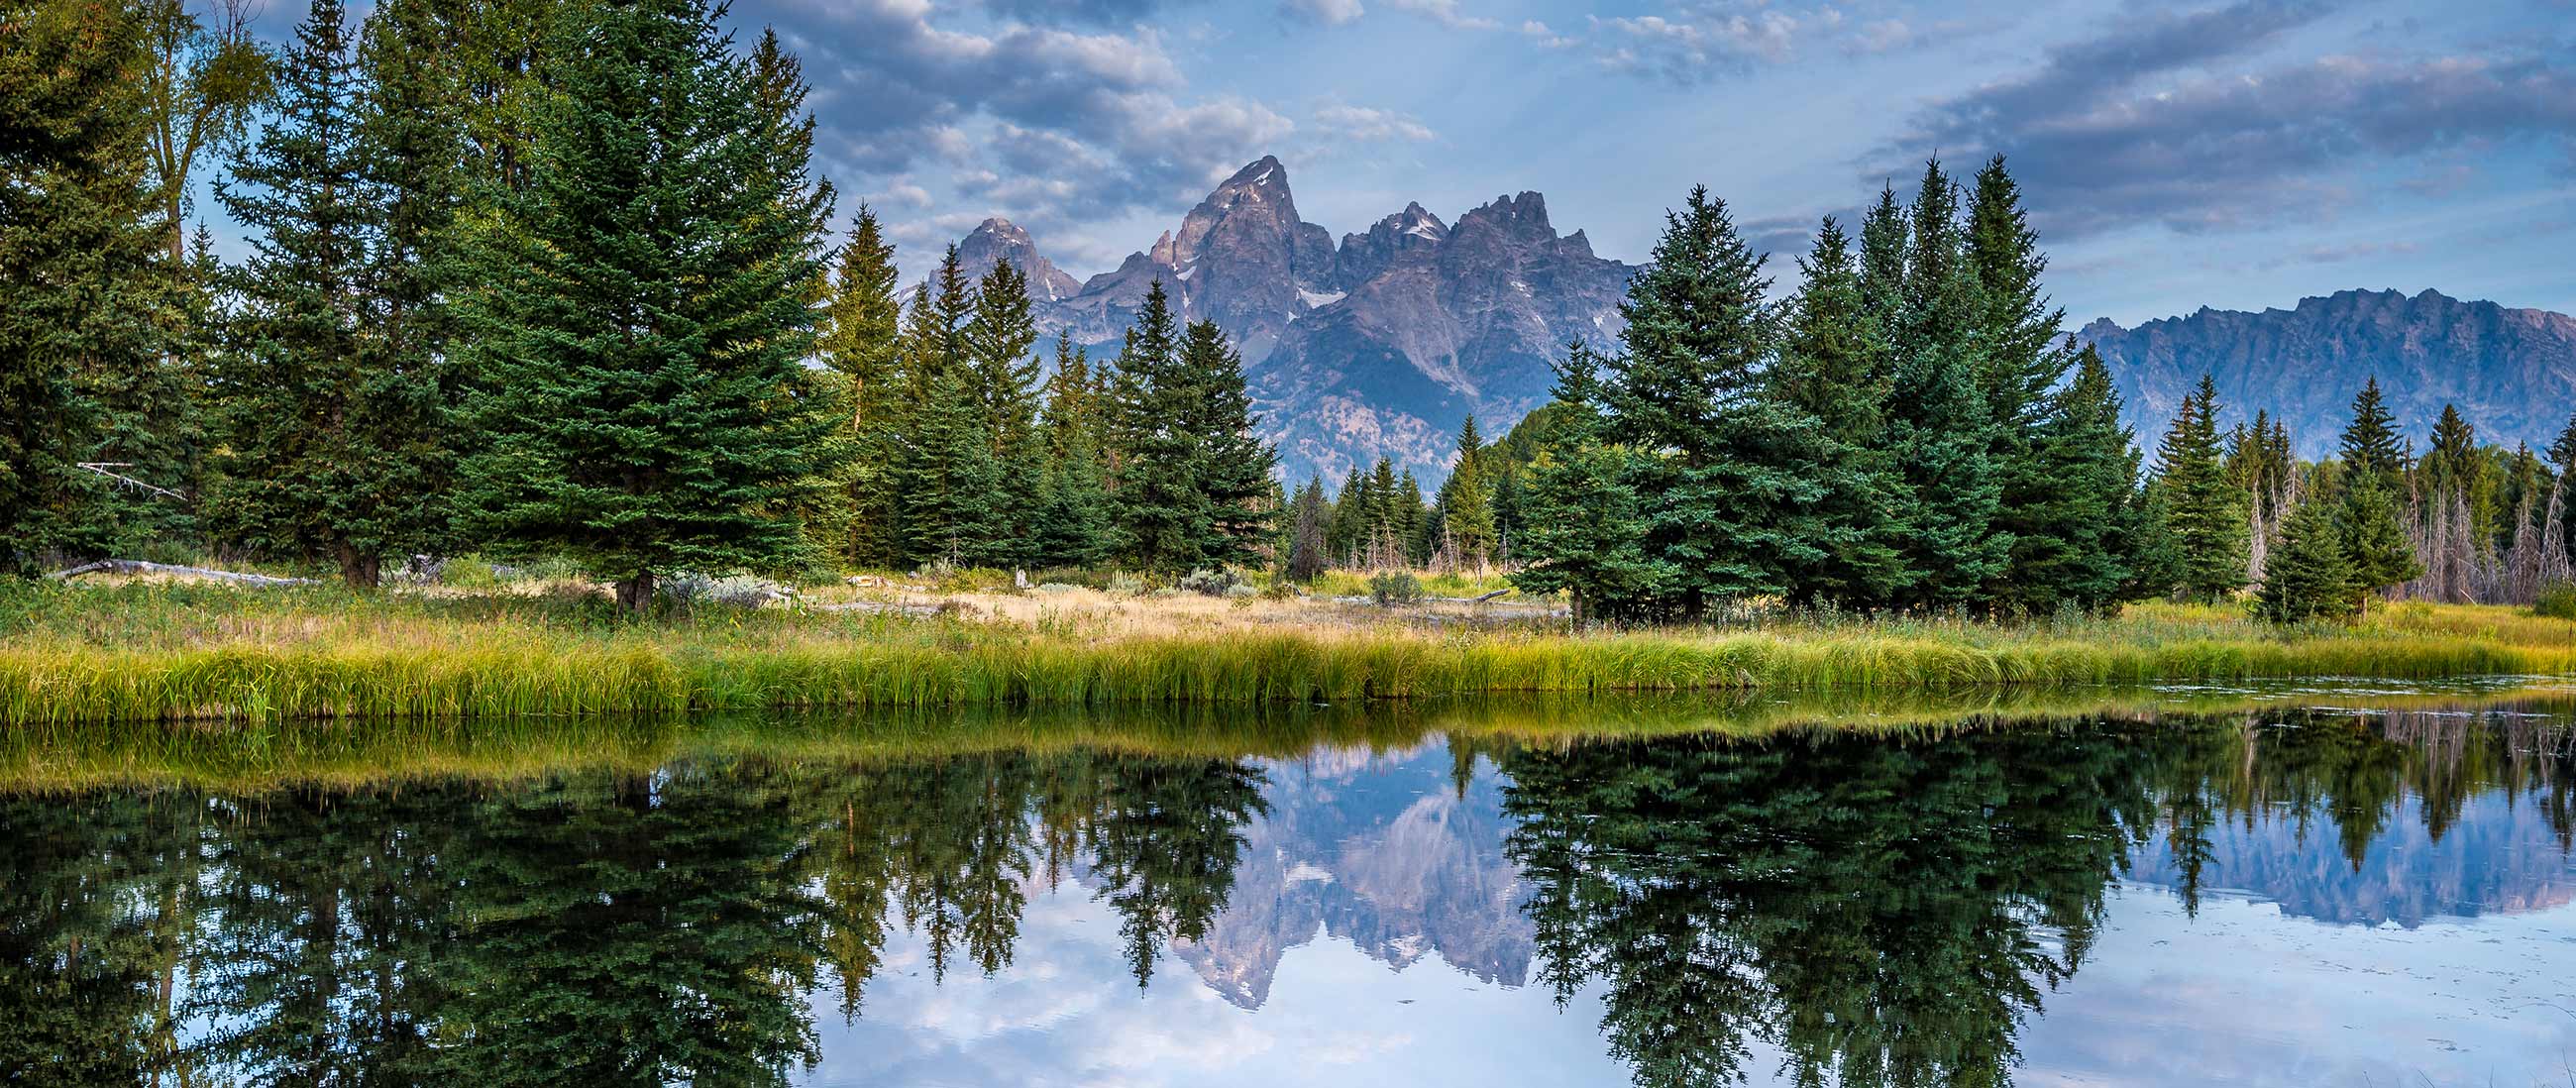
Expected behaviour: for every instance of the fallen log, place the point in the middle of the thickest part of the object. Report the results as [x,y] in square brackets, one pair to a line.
[137,566]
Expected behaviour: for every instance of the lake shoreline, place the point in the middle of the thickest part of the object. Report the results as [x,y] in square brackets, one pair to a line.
[193,653]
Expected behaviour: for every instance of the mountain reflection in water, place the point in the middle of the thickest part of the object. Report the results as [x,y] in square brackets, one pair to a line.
[1817,907]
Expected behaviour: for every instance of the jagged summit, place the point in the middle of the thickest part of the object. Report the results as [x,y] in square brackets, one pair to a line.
[996,240]
[1378,346]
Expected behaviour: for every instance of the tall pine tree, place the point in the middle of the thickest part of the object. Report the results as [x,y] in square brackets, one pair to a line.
[1159,519]
[2203,513]
[1734,509]
[327,427]
[77,254]
[640,314]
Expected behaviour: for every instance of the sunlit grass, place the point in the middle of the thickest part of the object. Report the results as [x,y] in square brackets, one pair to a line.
[183,652]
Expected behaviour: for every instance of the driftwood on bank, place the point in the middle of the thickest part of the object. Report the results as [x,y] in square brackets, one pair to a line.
[892,608]
[137,566]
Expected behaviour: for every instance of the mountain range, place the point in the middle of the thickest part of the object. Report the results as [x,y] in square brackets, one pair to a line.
[1381,343]
[2512,373]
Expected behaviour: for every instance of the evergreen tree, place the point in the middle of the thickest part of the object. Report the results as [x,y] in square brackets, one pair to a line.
[1941,429]
[2074,541]
[1833,368]
[2562,455]
[2022,352]
[1229,464]
[953,487]
[862,342]
[640,313]
[1734,510]
[2309,576]
[1073,522]
[1348,534]
[1159,519]
[327,431]
[1309,516]
[1884,238]
[1004,372]
[1587,525]
[1466,513]
[2371,444]
[2203,513]
[77,256]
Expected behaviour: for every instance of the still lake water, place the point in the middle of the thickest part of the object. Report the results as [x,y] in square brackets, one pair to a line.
[2299,894]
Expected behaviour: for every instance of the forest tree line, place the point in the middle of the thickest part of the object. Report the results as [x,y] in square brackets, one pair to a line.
[533,277]
[536,277]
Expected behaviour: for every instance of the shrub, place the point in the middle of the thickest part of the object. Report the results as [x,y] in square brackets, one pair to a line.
[1279,589]
[1217,582]
[1393,587]
[2557,600]
[1123,584]
[468,572]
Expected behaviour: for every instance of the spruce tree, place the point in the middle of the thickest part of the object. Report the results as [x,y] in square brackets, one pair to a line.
[2371,444]
[1735,508]
[1308,547]
[1004,371]
[77,256]
[327,428]
[2370,519]
[1586,525]
[2204,514]
[1833,368]
[1229,463]
[2562,455]
[2308,576]
[640,313]
[1941,430]
[1158,520]
[953,487]
[861,341]
[1073,520]
[2074,539]
[1466,501]
[1347,535]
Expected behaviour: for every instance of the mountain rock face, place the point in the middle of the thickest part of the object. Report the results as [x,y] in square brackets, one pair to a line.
[2511,372]
[1379,346]
[996,240]
[1464,322]
[1377,849]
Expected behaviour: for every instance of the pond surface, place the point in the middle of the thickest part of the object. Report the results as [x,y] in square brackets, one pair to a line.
[2292,896]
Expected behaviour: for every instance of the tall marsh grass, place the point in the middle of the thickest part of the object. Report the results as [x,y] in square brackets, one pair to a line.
[137,653]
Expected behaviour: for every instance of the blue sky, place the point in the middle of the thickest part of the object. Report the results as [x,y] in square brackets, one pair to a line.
[2238,155]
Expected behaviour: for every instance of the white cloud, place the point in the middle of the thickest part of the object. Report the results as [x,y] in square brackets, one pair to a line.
[1327,12]
[1364,123]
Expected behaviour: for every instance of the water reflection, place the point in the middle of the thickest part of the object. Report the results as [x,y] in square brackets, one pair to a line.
[1821,907]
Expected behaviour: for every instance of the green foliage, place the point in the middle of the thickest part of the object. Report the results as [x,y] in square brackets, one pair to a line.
[2308,576]
[335,328]
[862,322]
[1394,587]
[1587,527]
[2374,538]
[640,313]
[1734,509]
[76,254]
[2203,513]
[2556,600]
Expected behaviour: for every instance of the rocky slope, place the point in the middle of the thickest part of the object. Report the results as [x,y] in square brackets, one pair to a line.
[1378,346]
[2511,372]
[996,240]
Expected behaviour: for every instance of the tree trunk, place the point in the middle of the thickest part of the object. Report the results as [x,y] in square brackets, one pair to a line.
[636,594]
[361,570]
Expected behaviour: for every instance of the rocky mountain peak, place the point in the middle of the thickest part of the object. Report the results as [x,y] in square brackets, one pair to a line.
[1363,257]
[996,240]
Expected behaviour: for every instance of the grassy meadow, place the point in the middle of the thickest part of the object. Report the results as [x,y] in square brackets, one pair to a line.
[146,649]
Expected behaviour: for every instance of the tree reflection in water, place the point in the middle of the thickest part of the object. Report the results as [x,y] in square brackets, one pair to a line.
[1879,910]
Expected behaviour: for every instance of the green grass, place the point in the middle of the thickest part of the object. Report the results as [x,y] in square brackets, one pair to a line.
[200,653]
